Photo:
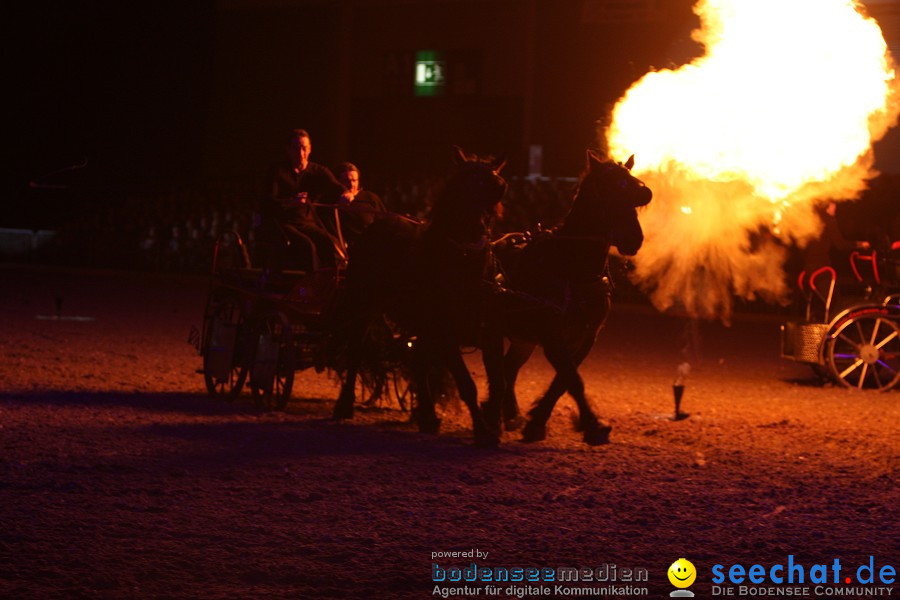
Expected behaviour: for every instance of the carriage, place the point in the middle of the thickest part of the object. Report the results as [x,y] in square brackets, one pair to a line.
[854,342]
[414,294]
[262,324]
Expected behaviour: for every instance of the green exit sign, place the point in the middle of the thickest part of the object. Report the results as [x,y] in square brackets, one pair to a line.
[430,73]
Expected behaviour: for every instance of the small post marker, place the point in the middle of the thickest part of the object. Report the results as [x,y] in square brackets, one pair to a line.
[678,390]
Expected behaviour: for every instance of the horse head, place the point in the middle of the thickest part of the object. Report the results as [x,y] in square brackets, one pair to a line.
[470,197]
[607,201]
[477,180]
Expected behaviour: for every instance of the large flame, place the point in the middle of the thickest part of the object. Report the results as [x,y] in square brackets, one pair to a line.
[740,145]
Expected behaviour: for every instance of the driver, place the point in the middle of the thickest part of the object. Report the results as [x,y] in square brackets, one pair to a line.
[295,185]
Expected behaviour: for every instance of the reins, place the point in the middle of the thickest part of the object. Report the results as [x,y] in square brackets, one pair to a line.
[583,238]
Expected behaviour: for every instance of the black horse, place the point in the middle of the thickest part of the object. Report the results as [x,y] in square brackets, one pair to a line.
[567,269]
[432,283]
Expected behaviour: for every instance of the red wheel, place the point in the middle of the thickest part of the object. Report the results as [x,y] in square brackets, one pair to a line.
[865,353]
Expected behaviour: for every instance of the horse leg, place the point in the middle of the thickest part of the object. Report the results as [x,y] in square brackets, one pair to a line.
[492,357]
[557,354]
[343,408]
[565,361]
[566,379]
[594,431]
[468,392]
[424,413]
[535,429]
[517,355]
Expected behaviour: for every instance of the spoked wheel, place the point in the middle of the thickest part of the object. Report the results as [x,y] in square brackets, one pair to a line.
[372,391]
[403,392]
[865,353]
[272,363]
[223,370]
[382,382]
[390,391]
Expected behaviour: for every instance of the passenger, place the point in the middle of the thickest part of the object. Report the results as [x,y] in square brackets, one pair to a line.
[295,185]
[363,206]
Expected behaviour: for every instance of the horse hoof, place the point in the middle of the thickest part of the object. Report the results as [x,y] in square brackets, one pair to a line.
[486,439]
[342,411]
[597,436]
[491,413]
[533,433]
[432,425]
[513,424]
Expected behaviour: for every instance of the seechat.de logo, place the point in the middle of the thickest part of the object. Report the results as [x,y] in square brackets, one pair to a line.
[682,574]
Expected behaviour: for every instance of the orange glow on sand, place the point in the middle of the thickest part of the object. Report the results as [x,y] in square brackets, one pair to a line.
[776,117]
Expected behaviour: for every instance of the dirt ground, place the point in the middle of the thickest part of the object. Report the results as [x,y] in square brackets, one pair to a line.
[119,478]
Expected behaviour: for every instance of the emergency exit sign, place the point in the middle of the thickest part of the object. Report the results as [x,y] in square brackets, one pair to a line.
[430,73]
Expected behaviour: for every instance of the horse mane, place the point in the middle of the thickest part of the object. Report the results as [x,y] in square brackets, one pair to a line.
[588,204]
[573,222]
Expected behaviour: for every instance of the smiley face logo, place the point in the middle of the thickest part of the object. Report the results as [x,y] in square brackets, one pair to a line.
[682,573]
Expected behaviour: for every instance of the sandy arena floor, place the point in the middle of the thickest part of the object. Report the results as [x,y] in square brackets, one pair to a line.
[119,478]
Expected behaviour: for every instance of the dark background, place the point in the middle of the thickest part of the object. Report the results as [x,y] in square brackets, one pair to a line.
[155,95]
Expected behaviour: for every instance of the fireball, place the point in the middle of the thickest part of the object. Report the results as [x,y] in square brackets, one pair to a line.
[778,115]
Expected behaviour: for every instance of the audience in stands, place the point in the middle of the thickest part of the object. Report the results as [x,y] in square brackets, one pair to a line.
[176,231]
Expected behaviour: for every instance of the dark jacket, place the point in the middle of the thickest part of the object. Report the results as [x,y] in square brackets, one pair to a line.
[316,182]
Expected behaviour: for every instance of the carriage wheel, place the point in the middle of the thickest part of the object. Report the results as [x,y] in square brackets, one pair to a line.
[371,391]
[403,392]
[865,353]
[272,365]
[222,369]
[390,391]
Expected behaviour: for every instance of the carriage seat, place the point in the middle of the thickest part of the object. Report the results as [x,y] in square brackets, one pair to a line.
[818,288]
[878,272]
[230,252]
[276,251]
